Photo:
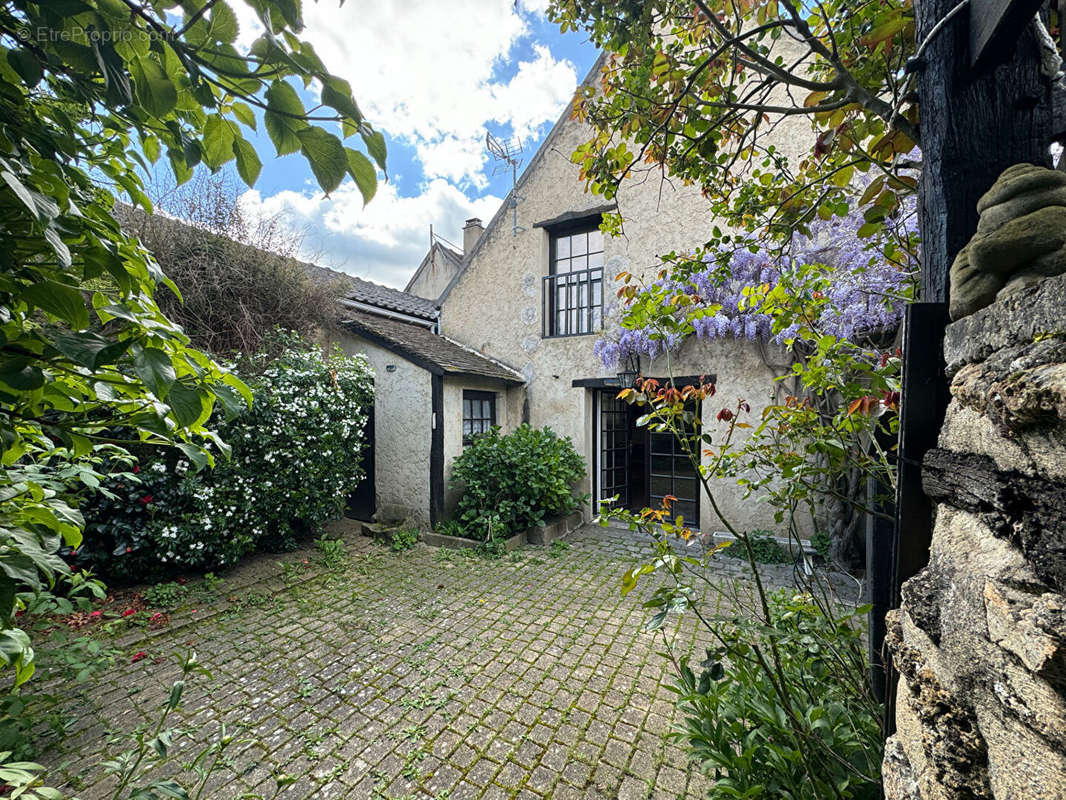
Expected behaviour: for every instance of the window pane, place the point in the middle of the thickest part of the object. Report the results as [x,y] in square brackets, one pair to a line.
[466,409]
[662,485]
[579,244]
[685,488]
[595,260]
[595,241]
[467,427]
[562,247]
[578,263]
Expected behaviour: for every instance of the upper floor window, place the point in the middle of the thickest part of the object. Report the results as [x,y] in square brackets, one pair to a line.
[573,289]
[479,414]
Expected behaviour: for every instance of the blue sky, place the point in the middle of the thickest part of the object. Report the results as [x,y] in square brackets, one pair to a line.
[433,76]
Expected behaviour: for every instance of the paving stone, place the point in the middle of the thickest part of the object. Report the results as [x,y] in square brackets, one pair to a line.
[416,674]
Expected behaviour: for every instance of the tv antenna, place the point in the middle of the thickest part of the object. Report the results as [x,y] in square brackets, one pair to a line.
[508,152]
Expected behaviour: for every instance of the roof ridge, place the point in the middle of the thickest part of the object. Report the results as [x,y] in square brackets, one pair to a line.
[534,162]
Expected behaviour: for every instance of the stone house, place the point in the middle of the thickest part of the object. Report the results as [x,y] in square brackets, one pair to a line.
[531,300]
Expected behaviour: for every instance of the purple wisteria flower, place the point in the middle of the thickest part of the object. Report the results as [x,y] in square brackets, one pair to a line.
[863,292]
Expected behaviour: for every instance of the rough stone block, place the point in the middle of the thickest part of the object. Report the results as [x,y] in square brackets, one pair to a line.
[1018,320]
[1032,626]
[554,529]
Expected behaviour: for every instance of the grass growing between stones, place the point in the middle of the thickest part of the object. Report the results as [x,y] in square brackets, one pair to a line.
[367,673]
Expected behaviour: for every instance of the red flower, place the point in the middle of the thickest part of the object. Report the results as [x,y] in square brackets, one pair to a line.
[96,614]
[725,415]
[129,612]
[136,468]
[146,499]
[138,656]
[129,549]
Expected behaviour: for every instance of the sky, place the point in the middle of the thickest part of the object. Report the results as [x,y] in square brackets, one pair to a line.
[433,76]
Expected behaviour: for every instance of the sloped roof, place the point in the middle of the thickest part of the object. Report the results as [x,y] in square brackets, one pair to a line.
[431,351]
[375,294]
[452,255]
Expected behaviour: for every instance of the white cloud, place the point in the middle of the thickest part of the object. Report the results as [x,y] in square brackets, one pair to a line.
[426,72]
[383,242]
[433,75]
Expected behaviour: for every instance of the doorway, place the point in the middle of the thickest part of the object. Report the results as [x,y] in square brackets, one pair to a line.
[639,467]
[362,503]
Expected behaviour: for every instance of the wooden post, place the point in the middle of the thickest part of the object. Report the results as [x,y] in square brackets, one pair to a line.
[974,122]
[995,27]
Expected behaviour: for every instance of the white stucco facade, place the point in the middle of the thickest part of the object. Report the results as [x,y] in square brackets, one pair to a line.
[496,306]
[403,428]
[508,416]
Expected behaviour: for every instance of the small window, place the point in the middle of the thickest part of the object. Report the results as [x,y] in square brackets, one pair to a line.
[479,414]
[573,289]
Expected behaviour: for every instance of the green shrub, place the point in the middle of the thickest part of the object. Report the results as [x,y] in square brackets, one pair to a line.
[821,542]
[295,459]
[735,714]
[764,547]
[165,595]
[524,478]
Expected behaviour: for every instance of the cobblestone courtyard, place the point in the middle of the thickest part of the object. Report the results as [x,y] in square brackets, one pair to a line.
[425,674]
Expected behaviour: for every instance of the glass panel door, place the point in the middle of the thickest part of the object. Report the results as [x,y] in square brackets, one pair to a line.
[672,473]
[614,449]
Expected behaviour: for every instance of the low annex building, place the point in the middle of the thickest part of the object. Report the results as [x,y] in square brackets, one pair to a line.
[431,395]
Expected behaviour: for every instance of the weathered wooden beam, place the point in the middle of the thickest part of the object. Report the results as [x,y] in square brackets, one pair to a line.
[973,126]
[1026,510]
[1058,111]
[995,26]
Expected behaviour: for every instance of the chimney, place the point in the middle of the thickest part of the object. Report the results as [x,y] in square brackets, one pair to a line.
[471,233]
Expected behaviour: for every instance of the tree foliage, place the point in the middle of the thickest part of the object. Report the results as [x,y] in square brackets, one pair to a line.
[696,90]
[91,93]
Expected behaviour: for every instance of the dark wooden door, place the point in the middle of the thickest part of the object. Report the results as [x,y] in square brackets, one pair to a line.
[362,502]
[671,472]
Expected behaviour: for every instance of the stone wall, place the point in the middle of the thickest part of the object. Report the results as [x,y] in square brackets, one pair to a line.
[980,640]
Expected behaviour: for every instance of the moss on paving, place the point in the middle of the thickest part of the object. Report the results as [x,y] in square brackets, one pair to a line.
[413,674]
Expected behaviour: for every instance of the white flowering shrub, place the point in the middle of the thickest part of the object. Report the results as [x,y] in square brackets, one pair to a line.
[295,461]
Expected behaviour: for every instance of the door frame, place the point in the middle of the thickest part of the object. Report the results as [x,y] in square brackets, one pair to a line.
[597,459]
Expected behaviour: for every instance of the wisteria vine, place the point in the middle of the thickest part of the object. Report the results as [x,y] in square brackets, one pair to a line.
[866,292]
